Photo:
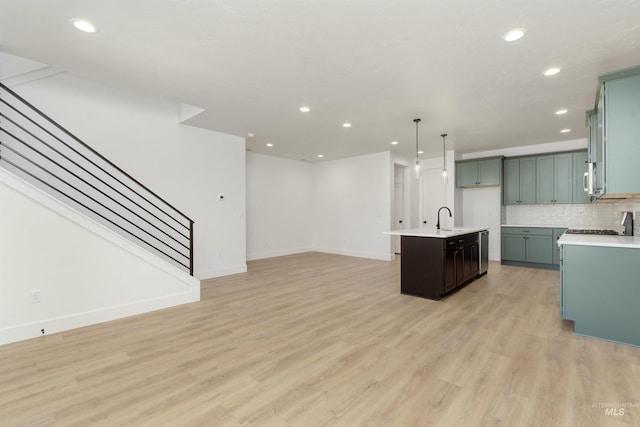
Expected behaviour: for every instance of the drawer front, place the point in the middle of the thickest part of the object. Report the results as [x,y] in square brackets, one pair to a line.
[539,231]
[463,240]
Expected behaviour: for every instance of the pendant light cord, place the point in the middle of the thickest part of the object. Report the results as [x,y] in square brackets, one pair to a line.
[416,121]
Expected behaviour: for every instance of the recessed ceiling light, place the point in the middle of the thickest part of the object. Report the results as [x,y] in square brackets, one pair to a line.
[84,25]
[250,135]
[514,35]
[346,125]
[552,71]
[321,155]
[565,131]
[269,144]
[305,109]
[561,112]
[394,142]
[420,152]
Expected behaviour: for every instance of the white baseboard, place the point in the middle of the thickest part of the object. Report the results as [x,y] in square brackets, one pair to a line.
[218,272]
[273,254]
[79,320]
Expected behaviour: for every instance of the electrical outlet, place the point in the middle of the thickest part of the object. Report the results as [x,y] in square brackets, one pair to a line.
[35,296]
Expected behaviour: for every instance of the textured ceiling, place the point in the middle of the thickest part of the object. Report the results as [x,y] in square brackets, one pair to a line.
[376,64]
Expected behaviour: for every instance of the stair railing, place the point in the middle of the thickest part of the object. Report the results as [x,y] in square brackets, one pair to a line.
[37,149]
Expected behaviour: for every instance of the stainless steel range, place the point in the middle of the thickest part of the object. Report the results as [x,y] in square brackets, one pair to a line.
[592,231]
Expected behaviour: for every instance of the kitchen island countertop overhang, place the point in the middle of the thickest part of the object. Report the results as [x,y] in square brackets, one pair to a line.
[434,232]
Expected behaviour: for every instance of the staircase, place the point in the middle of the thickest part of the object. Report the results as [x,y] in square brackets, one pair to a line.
[41,152]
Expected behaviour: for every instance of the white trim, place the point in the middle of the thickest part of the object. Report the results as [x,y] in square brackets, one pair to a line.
[53,325]
[218,272]
[273,254]
[30,76]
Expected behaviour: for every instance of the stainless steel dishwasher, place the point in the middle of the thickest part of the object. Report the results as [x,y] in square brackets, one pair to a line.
[484,252]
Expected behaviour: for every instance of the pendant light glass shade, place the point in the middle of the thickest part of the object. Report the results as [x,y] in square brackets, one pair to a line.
[416,121]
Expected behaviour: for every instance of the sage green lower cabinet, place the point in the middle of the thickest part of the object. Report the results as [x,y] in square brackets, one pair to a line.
[513,247]
[530,245]
[538,248]
[600,291]
[557,232]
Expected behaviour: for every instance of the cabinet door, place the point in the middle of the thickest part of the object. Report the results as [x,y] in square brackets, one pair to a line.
[513,247]
[563,178]
[511,187]
[472,261]
[489,172]
[592,135]
[467,174]
[580,167]
[459,263]
[528,180]
[544,179]
[539,249]
[622,133]
[450,270]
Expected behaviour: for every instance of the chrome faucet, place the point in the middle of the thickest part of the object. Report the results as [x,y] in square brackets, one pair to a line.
[627,221]
[444,207]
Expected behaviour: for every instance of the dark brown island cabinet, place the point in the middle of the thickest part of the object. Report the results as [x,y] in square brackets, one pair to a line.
[432,267]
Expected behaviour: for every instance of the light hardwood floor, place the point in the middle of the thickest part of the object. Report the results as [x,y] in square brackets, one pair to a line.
[318,339]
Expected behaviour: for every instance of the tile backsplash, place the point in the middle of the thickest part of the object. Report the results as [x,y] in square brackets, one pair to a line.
[594,215]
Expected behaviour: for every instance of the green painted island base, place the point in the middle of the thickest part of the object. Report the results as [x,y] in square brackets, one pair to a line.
[600,292]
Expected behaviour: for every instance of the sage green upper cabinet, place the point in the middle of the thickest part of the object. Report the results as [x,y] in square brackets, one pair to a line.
[580,167]
[519,181]
[621,132]
[554,178]
[479,173]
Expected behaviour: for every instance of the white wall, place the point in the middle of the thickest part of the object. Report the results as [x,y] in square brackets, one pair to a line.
[279,211]
[352,206]
[83,273]
[482,209]
[187,166]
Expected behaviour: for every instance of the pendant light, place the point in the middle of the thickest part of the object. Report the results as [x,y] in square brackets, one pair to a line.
[444,159]
[416,121]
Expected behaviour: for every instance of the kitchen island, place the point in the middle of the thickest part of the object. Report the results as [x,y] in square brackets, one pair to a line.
[599,286]
[436,262]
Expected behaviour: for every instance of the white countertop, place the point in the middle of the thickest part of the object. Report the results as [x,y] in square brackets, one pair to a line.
[538,226]
[433,232]
[599,240]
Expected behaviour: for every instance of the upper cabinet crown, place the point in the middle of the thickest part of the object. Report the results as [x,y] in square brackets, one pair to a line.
[479,173]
